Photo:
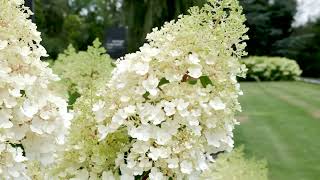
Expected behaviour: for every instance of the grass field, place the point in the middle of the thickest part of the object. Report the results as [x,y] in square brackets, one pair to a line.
[280,122]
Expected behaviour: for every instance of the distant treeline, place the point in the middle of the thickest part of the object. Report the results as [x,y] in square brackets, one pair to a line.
[79,22]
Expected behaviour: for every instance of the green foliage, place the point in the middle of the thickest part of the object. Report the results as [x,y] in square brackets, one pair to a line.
[270,26]
[268,23]
[205,81]
[271,34]
[271,68]
[49,17]
[234,166]
[143,15]
[304,46]
[61,22]
[83,70]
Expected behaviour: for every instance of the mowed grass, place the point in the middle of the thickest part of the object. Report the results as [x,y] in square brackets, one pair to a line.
[280,122]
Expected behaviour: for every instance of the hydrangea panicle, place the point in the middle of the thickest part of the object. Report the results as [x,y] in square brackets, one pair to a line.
[178,95]
[84,156]
[33,121]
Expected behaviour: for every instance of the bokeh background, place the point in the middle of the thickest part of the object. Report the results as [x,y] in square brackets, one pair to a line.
[287,28]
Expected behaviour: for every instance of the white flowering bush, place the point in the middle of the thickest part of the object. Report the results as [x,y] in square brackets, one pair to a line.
[33,121]
[271,68]
[176,98]
[83,70]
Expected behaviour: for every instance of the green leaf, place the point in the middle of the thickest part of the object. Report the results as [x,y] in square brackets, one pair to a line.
[163,81]
[146,95]
[205,81]
[73,96]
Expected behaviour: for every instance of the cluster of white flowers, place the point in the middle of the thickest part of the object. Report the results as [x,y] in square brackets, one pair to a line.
[84,156]
[177,96]
[33,122]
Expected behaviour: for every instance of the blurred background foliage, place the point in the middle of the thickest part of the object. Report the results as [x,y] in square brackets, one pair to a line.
[142,15]
[79,22]
[76,22]
[263,68]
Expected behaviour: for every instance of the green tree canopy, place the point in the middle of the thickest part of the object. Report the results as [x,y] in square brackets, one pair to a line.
[143,15]
[304,46]
[268,23]
[63,22]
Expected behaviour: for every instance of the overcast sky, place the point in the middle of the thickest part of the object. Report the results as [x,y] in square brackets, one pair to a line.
[308,10]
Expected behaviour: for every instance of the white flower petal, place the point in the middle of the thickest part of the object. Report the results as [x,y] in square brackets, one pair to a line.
[3,44]
[195,70]
[193,58]
[217,104]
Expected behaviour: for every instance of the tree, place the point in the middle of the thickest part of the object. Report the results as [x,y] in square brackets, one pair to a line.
[76,22]
[143,15]
[303,46]
[268,23]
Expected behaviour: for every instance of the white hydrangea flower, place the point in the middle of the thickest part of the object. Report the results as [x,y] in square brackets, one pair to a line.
[156,153]
[142,133]
[150,113]
[5,122]
[103,131]
[151,85]
[169,108]
[194,59]
[217,104]
[176,98]
[107,176]
[141,68]
[126,177]
[186,167]
[3,44]
[155,174]
[195,70]
[33,122]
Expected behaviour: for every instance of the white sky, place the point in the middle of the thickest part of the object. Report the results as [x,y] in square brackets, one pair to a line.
[307,10]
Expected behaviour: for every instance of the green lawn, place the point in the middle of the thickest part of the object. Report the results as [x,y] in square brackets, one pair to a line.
[280,122]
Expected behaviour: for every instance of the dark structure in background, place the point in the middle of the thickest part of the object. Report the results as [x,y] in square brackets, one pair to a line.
[116,41]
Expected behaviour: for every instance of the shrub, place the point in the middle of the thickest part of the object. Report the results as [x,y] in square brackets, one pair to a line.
[82,71]
[175,99]
[271,68]
[33,121]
